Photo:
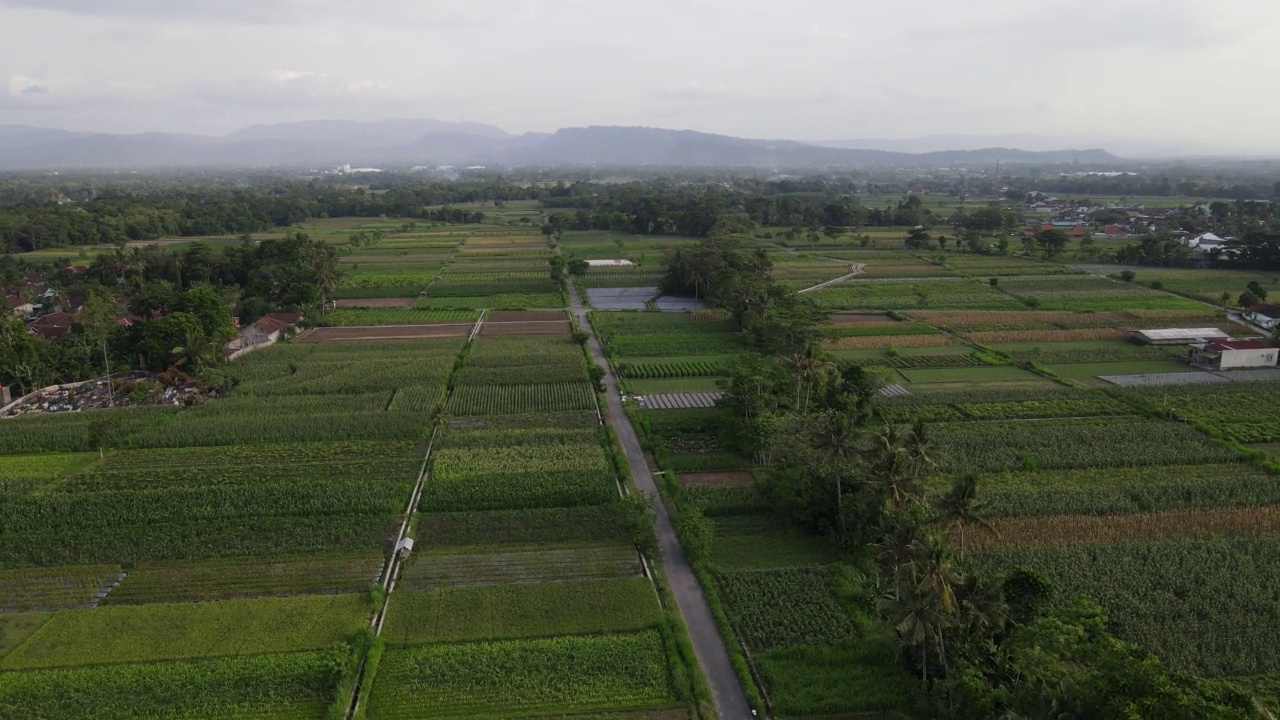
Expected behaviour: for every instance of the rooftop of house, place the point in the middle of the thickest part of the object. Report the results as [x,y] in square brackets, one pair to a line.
[1239,344]
[1269,310]
[268,325]
[53,325]
[286,318]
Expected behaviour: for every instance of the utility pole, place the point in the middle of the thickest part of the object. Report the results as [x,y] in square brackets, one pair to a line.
[111,395]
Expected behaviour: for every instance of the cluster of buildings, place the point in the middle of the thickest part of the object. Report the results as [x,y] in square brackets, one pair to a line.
[47,312]
[1096,221]
[1213,349]
[51,314]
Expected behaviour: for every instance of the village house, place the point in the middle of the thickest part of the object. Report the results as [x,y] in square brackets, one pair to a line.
[52,326]
[1234,353]
[1264,316]
[266,329]
[17,306]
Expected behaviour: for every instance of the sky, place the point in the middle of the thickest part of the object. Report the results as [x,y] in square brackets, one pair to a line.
[1197,72]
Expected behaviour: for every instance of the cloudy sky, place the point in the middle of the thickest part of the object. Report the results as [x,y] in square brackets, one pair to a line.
[1196,71]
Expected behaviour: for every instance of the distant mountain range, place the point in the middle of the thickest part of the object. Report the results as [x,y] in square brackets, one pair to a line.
[404,143]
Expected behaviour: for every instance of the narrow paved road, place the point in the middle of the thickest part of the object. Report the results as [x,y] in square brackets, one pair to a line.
[731,703]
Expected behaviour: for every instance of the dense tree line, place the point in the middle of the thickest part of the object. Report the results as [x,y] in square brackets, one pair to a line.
[112,217]
[179,303]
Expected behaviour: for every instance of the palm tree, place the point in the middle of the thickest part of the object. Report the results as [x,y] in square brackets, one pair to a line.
[980,607]
[837,437]
[176,262]
[893,474]
[916,613]
[801,364]
[961,508]
[197,351]
[898,539]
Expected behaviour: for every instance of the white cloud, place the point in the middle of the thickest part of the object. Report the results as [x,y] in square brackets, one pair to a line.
[23,86]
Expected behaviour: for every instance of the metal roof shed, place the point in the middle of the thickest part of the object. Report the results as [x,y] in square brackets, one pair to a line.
[1177,336]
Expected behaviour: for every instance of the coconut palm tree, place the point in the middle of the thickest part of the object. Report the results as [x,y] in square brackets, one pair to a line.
[837,438]
[197,351]
[961,508]
[893,474]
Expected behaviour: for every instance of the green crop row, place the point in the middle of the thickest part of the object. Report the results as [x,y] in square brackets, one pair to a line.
[297,685]
[503,612]
[448,288]
[673,344]
[355,451]
[55,588]
[541,374]
[521,564]
[1203,606]
[519,490]
[1093,443]
[230,578]
[455,465]
[519,436]
[502,352]
[69,543]
[181,631]
[1245,414]
[785,608]
[417,399]
[509,399]
[100,509]
[670,369]
[187,429]
[590,523]
[519,678]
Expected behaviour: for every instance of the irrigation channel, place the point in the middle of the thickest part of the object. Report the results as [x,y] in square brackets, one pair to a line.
[731,703]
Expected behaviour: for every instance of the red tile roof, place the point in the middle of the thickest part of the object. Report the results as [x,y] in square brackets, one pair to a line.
[53,325]
[1271,311]
[1239,344]
[268,325]
[286,318]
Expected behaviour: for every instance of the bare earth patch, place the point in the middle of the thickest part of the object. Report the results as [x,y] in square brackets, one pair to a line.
[718,479]
[375,303]
[548,327]
[500,316]
[861,320]
[386,332]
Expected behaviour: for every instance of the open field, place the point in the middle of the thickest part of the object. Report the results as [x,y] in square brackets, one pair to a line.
[216,561]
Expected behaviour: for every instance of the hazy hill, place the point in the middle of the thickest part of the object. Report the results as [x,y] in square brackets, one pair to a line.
[401,143]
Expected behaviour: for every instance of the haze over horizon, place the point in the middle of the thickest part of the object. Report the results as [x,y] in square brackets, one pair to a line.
[1187,74]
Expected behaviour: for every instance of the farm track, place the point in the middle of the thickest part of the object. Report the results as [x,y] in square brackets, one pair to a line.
[730,701]
[394,562]
[858,269]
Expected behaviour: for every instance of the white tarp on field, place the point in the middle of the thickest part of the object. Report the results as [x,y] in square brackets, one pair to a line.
[624,298]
